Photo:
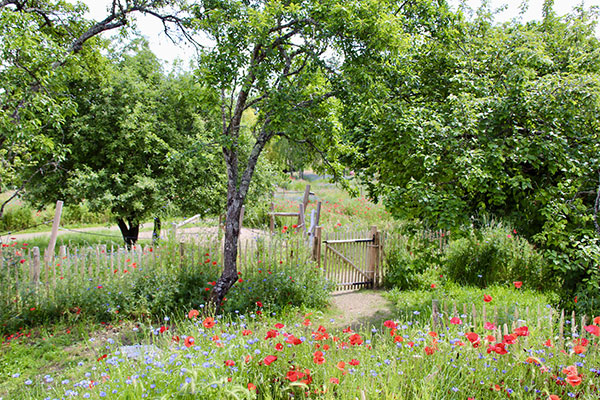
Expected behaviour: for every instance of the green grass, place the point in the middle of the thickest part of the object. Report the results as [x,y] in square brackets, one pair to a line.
[407,363]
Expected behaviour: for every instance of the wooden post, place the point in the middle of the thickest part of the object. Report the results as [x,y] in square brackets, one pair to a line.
[242,217]
[301,221]
[304,205]
[317,245]
[181,253]
[36,265]
[174,230]
[272,219]
[318,215]
[373,255]
[434,314]
[50,250]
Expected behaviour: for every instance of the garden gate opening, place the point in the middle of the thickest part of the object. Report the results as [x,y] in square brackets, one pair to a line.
[351,260]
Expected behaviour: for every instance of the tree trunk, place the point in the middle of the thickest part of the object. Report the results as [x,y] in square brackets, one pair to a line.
[230,252]
[130,233]
[156,231]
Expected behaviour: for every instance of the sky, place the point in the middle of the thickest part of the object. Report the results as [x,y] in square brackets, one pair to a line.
[167,51]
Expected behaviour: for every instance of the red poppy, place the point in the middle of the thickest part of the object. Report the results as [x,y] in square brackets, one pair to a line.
[230,363]
[522,331]
[518,284]
[251,387]
[208,322]
[498,348]
[279,347]
[554,397]
[579,349]
[433,285]
[356,340]
[246,332]
[294,375]
[318,357]
[271,334]
[597,320]
[189,341]
[473,338]
[163,329]
[341,365]
[279,325]
[268,360]
[354,362]
[259,304]
[334,380]
[593,329]
[175,338]
[455,321]
[573,380]
[487,298]
[429,350]
[389,324]
[548,343]
[293,340]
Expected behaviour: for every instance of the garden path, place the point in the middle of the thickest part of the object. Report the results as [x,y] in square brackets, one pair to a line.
[362,308]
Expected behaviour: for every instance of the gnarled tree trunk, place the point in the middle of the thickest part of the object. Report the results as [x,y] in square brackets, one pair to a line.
[130,233]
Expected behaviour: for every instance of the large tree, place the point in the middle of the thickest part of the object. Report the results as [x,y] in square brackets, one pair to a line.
[290,61]
[138,144]
[498,119]
[41,42]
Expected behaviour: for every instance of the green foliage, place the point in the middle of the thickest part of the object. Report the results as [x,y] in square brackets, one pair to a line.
[505,298]
[16,219]
[410,262]
[280,286]
[138,144]
[161,287]
[495,254]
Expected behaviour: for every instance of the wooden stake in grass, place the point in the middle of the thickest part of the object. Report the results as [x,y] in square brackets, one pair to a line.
[55,223]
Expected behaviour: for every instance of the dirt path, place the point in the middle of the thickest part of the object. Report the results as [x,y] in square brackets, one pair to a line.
[360,309]
[183,233]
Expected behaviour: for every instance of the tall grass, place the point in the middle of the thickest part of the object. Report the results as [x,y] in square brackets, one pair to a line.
[295,355]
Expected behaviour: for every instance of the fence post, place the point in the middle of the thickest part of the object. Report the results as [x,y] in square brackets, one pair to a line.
[181,253]
[301,221]
[374,256]
[55,223]
[174,229]
[434,314]
[272,219]
[242,217]
[304,204]
[317,245]
[36,265]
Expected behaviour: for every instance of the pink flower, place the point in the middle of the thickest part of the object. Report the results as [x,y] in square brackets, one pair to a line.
[489,326]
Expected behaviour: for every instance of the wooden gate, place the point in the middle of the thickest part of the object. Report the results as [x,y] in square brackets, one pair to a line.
[351,259]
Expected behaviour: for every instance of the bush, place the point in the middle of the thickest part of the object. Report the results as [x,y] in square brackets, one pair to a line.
[410,263]
[495,255]
[158,290]
[16,219]
[278,286]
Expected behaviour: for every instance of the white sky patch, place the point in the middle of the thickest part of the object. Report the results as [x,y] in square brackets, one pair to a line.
[168,51]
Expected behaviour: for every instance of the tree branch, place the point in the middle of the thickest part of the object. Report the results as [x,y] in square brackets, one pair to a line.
[22,187]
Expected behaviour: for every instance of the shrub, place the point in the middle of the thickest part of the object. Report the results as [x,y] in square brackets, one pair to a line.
[278,286]
[16,219]
[409,262]
[495,254]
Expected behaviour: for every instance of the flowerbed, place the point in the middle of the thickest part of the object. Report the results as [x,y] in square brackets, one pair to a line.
[262,356]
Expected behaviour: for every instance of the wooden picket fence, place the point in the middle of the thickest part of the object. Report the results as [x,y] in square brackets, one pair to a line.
[558,323]
[24,271]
